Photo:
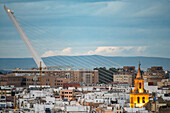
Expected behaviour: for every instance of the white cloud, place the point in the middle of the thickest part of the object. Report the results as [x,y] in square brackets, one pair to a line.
[48,53]
[115,50]
[141,49]
[104,50]
[66,51]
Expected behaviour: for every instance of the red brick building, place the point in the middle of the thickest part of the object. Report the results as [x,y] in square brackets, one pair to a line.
[66,85]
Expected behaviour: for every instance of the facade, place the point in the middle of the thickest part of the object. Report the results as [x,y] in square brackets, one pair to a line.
[139,97]
[123,77]
[7,96]
[6,91]
[154,75]
[130,69]
[25,81]
[53,81]
[105,75]
[67,94]
[53,78]
[165,83]
[66,85]
[81,76]
[17,81]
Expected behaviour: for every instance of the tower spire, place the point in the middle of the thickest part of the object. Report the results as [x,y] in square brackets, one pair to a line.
[139,73]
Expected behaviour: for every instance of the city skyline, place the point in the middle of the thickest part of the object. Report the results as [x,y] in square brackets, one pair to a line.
[88,56]
[91,27]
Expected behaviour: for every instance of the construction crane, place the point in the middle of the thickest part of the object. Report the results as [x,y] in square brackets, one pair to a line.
[24,37]
[40,77]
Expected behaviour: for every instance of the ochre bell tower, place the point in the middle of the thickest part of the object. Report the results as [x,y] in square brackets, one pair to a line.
[139,96]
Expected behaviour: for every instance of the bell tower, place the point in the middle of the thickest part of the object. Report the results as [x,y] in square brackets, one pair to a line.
[139,96]
[139,82]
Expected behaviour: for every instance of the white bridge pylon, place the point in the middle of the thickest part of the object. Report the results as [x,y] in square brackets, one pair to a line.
[24,37]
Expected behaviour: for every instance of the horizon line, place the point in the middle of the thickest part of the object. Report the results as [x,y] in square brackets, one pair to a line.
[84,55]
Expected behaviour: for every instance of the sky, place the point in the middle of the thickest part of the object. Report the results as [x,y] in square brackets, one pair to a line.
[87,27]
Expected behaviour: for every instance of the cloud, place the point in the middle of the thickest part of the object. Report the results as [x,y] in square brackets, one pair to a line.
[104,50]
[141,49]
[66,51]
[115,50]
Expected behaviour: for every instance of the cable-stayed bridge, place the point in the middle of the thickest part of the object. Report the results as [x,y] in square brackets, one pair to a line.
[34,44]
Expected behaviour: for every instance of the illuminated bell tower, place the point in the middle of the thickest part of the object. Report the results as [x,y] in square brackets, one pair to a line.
[139,96]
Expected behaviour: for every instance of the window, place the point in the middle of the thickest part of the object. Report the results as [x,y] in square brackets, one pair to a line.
[138,99]
[139,85]
[131,100]
[143,99]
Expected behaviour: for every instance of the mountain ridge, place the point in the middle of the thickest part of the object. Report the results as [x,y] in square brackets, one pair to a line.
[87,61]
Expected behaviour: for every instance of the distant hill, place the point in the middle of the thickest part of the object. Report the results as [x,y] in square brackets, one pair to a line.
[86,62]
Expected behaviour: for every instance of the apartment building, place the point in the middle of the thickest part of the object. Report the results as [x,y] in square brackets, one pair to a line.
[25,81]
[53,78]
[123,77]
[165,83]
[130,69]
[154,75]
[67,94]
[82,76]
